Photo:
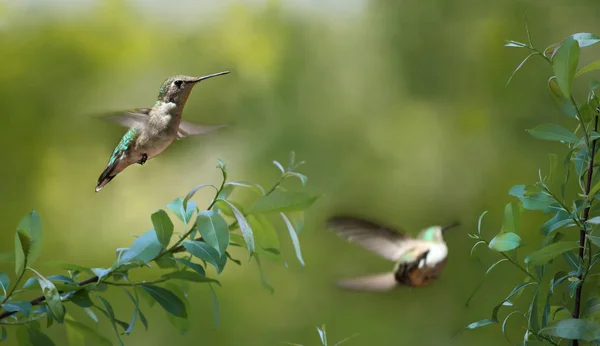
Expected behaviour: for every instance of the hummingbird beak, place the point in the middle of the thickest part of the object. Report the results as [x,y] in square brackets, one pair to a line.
[444,229]
[209,76]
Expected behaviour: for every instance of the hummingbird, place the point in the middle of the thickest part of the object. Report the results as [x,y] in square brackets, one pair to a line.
[152,130]
[419,260]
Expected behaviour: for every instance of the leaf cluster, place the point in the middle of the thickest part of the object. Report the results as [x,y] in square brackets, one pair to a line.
[182,258]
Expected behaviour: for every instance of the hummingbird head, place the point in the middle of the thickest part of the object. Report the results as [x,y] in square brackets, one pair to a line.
[176,89]
[436,233]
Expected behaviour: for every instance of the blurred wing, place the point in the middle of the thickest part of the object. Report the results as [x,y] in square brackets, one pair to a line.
[373,283]
[381,240]
[189,129]
[129,118]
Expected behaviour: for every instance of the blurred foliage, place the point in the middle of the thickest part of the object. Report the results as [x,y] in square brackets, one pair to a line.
[556,312]
[207,239]
[400,108]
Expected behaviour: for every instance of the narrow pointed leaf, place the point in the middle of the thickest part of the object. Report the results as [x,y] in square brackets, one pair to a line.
[4,282]
[52,297]
[12,306]
[111,316]
[294,237]
[512,217]
[586,39]
[505,242]
[193,192]
[22,246]
[573,329]
[283,201]
[183,212]
[588,68]
[564,64]
[546,254]
[163,227]
[144,248]
[167,299]
[205,252]
[189,276]
[553,132]
[86,331]
[214,230]
[194,266]
[244,226]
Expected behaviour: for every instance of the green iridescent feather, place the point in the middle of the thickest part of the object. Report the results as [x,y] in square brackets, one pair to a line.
[123,145]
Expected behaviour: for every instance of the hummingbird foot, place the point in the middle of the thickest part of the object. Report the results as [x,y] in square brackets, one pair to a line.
[143,159]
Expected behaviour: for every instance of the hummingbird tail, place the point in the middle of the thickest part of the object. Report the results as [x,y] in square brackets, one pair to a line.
[374,283]
[106,177]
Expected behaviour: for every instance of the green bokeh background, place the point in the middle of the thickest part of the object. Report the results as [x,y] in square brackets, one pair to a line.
[399,108]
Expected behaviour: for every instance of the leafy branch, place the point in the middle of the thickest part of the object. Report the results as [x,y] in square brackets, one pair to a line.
[208,239]
[551,321]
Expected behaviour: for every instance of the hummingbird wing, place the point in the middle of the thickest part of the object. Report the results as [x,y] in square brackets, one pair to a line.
[383,241]
[373,283]
[189,129]
[129,118]
[139,117]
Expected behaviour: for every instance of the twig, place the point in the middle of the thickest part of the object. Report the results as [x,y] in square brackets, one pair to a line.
[582,230]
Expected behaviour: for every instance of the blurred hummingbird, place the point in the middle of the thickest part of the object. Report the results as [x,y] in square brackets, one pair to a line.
[152,130]
[419,261]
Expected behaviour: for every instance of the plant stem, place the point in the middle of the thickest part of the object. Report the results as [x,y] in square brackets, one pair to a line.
[518,266]
[12,290]
[582,231]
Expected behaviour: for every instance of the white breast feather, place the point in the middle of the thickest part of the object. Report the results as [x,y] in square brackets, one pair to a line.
[437,252]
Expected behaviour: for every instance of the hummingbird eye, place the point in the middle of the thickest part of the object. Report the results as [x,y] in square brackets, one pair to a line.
[178,83]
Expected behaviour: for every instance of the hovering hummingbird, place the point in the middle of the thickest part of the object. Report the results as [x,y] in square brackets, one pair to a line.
[419,261]
[152,130]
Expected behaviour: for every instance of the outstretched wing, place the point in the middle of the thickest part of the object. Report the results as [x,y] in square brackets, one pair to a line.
[374,283]
[139,116]
[130,118]
[189,129]
[381,240]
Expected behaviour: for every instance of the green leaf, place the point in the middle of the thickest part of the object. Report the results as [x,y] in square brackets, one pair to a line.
[294,237]
[553,132]
[85,331]
[511,43]
[594,220]
[519,66]
[594,239]
[215,305]
[263,278]
[137,312]
[205,252]
[38,338]
[505,242]
[189,276]
[559,220]
[214,230]
[283,201]
[181,323]
[163,227]
[564,104]
[82,299]
[194,266]
[3,333]
[183,212]
[265,236]
[564,64]
[167,299]
[193,192]
[91,314]
[572,260]
[23,307]
[4,282]
[592,307]
[533,323]
[253,186]
[506,321]
[590,67]
[546,254]
[32,225]
[573,329]
[303,178]
[22,247]
[585,39]
[110,313]
[512,217]
[244,226]
[144,249]
[479,222]
[52,296]
[322,335]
